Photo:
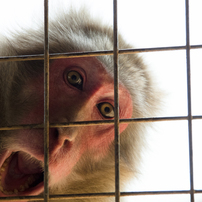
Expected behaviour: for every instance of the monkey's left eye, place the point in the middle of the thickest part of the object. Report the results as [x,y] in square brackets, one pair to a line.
[106,109]
[75,79]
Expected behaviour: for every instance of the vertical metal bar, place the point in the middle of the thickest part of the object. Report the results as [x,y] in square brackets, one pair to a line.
[189,102]
[116,105]
[46,101]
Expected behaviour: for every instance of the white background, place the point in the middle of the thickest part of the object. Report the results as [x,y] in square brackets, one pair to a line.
[148,23]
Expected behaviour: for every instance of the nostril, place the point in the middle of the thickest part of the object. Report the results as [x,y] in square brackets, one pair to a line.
[59,141]
[66,142]
[54,134]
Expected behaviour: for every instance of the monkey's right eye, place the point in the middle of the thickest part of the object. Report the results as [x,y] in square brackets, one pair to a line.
[106,109]
[75,79]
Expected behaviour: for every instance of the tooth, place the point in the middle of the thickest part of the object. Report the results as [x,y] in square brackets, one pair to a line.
[4,165]
[5,192]
[15,191]
[30,179]
[10,193]
[22,188]
[2,169]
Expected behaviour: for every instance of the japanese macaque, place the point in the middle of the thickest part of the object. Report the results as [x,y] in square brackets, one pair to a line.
[81,159]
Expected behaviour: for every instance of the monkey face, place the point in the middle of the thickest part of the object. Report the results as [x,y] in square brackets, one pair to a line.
[80,90]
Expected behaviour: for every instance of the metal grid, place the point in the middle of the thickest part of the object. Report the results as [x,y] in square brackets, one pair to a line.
[116,52]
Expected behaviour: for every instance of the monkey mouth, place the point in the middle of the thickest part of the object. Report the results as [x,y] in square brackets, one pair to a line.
[21,174]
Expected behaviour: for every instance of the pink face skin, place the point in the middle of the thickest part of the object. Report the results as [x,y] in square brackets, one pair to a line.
[67,104]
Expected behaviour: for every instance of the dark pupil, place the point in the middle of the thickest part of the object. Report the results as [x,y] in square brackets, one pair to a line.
[74,77]
[107,109]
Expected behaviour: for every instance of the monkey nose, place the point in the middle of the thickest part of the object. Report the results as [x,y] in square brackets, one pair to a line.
[60,139]
[67,134]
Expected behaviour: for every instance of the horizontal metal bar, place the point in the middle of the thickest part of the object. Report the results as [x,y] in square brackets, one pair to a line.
[102,122]
[168,48]
[92,53]
[98,195]
[55,56]
[22,198]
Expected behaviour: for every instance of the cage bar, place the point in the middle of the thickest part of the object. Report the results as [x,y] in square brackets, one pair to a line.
[101,122]
[189,102]
[94,53]
[116,103]
[46,102]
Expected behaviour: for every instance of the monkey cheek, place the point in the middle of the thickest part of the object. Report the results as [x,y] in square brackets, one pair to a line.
[59,171]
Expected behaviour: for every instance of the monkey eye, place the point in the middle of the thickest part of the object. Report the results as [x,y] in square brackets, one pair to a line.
[106,109]
[75,79]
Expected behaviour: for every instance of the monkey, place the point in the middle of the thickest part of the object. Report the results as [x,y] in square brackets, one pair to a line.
[81,159]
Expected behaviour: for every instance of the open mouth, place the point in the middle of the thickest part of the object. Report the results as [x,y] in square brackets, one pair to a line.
[21,174]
